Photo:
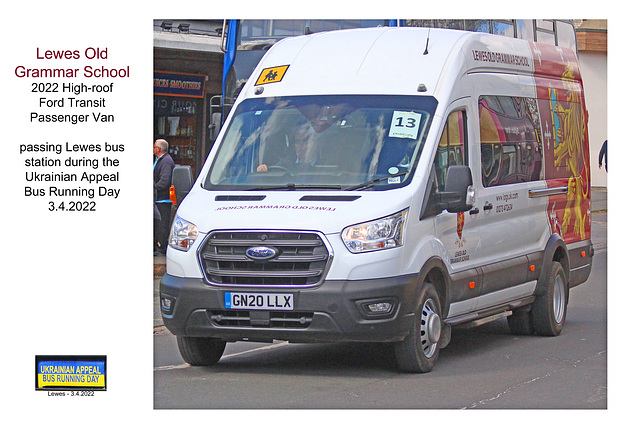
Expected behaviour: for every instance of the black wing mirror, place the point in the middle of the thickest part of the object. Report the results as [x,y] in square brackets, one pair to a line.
[458,194]
[182,181]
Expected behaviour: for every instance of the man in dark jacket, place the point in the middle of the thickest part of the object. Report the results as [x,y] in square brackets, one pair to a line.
[162,172]
[603,154]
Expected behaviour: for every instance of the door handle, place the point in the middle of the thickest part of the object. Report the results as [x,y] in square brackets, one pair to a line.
[487,207]
[474,211]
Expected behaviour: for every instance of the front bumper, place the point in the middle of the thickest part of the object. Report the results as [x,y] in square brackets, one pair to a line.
[334,311]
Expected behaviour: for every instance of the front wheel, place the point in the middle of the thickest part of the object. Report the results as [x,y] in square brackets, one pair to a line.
[419,350]
[549,310]
[200,351]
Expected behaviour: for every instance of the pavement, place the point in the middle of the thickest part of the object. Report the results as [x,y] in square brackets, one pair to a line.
[159,266]
[598,199]
[599,235]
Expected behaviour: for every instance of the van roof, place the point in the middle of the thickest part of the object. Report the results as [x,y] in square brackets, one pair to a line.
[385,60]
[388,60]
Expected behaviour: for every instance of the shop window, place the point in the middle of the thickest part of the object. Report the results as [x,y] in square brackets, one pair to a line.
[566,35]
[503,28]
[478,25]
[546,38]
[525,29]
[545,31]
[544,24]
[176,121]
[452,148]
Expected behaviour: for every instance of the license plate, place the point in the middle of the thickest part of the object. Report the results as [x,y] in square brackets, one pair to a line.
[258,301]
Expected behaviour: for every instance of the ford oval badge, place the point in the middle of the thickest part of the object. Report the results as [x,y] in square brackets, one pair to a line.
[261,253]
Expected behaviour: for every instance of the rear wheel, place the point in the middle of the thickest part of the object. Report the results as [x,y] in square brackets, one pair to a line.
[201,351]
[549,310]
[419,350]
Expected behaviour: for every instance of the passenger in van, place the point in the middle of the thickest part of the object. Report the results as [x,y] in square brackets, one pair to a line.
[307,151]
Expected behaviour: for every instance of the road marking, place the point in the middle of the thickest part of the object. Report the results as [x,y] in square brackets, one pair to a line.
[524,384]
[170,367]
[253,350]
[268,347]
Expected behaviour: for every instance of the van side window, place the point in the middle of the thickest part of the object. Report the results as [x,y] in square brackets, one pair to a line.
[510,148]
[453,147]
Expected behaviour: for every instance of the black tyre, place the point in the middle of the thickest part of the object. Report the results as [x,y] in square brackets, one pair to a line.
[201,351]
[419,350]
[549,310]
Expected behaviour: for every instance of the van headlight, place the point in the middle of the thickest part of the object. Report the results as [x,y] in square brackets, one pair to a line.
[383,233]
[183,234]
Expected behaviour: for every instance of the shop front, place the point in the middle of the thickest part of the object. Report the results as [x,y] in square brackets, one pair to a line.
[178,106]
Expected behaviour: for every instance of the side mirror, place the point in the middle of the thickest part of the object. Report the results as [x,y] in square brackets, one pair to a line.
[459,194]
[182,180]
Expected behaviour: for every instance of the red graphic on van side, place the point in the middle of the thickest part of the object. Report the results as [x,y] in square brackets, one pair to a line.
[563,118]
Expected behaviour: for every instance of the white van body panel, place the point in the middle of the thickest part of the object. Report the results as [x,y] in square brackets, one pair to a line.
[283,210]
[364,62]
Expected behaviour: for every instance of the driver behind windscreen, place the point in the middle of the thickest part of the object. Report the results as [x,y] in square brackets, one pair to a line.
[306,145]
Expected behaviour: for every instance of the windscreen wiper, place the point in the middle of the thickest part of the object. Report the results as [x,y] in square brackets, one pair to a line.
[371,183]
[294,187]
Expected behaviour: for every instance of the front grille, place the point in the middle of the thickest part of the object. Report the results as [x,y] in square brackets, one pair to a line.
[280,319]
[301,260]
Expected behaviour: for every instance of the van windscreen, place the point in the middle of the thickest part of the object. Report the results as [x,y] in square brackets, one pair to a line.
[322,142]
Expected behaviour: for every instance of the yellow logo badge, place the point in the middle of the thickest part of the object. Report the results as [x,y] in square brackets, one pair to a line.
[272,75]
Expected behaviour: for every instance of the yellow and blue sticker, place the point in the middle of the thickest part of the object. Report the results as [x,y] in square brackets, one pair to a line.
[71,372]
[272,75]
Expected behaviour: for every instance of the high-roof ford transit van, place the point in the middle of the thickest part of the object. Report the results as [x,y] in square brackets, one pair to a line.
[384,185]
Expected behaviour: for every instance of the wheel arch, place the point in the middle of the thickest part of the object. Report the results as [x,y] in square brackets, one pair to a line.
[435,272]
[556,250]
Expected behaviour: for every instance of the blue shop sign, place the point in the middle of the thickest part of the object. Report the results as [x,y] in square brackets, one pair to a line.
[178,84]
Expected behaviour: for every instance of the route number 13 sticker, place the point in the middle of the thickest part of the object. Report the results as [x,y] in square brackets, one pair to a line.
[405,124]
